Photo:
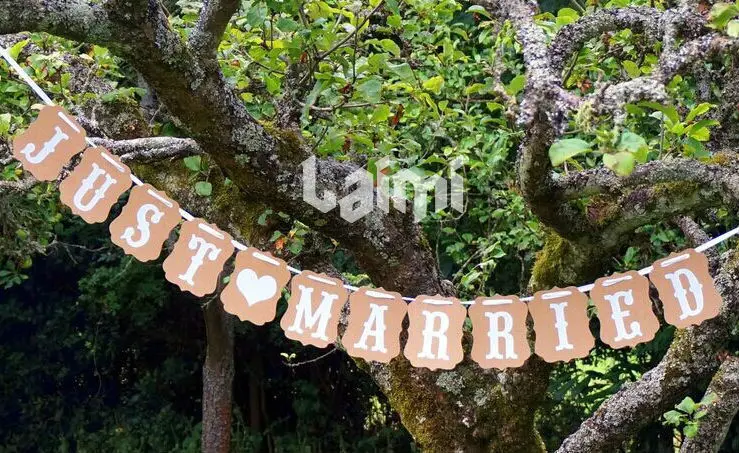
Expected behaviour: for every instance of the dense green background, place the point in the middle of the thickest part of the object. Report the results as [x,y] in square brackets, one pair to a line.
[99,353]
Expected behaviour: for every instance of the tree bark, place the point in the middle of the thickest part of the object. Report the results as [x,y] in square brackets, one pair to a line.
[712,428]
[218,373]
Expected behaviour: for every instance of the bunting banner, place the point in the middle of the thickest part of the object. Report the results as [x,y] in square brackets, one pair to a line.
[436,324]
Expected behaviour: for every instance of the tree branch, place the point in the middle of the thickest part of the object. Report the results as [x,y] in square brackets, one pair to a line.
[571,37]
[214,18]
[150,149]
[692,358]
[712,428]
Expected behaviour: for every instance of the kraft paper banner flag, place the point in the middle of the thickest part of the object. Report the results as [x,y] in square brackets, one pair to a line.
[255,286]
[95,185]
[375,322]
[49,143]
[561,324]
[624,309]
[499,332]
[435,332]
[145,223]
[312,315]
[686,288]
[198,257]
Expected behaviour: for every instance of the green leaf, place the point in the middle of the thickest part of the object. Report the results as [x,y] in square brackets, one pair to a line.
[17,48]
[516,85]
[669,111]
[5,124]
[256,15]
[635,144]
[370,89]
[691,429]
[390,46]
[622,163]
[563,150]
[275,236]
[203,188]
[722,13]
[403,71]
[287,25]
[477,9]
[732,28]
[434,84]
[632,69]
[687,405]
[381,113]
[698,110]
[673,417]
[193,163]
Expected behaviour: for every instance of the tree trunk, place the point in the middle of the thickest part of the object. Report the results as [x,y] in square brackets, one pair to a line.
[218,373]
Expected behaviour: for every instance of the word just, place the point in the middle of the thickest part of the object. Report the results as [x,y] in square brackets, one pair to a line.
[360,200]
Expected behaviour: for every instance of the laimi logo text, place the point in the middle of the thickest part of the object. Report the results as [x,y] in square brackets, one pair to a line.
[360,201]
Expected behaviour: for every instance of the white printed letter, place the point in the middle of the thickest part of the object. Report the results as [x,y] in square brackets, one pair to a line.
[429,333]
[306,318]
[87,184]
[204,249]
[496,334]
[561,325]
[142,225]
[681,294]
[374,327]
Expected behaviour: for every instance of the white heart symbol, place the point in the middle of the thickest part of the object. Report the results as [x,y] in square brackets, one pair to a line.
[256,289]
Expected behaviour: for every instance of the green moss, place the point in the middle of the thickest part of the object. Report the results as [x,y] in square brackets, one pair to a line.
[721,159]
[676,189]
[425,417]
[289,143]
[551,266]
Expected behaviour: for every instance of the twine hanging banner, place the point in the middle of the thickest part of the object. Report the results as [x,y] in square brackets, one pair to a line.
[374,331]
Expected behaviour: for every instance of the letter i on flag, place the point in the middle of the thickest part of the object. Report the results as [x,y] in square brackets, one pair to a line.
[435,332]
[198,257]
[686,288]
[145,223]
[375,322]
[499,332]
[312,315]
[49,143]
[95,185]
[561,324]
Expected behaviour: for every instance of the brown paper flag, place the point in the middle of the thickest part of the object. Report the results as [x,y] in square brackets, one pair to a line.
[435,332]
[198,257]
[145,223]
[95,185]
[499,332]
[686,288]
[561,324]
[312,315]
[255,286]
[49,143]
[375,321]
[624,309]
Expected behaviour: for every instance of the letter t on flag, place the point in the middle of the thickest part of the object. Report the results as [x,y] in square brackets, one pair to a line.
[198,257]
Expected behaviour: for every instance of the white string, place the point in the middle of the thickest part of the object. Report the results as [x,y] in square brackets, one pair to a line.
[189,217]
